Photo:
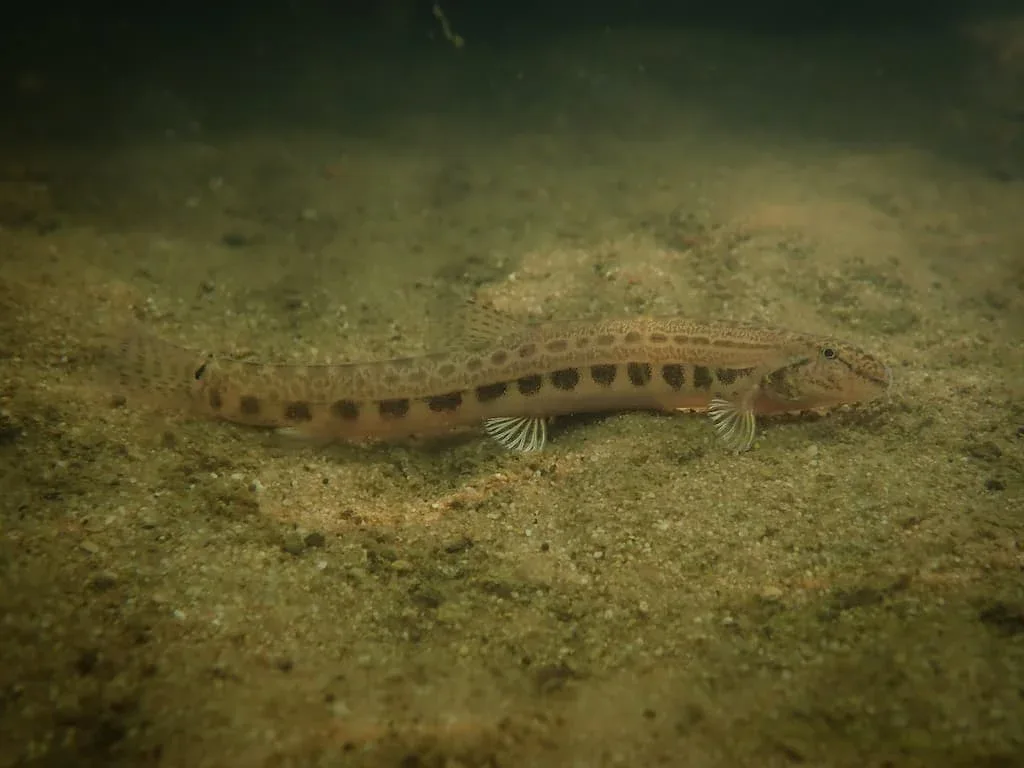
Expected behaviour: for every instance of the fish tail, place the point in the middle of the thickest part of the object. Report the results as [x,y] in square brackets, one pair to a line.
[145,368]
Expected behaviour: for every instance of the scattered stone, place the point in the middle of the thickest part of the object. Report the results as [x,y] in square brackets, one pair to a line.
[148,519]
[985,450]
[293,544]
[1005,618]
[9,431]
[234,240]
[86,661]
[460,544]
[771,593]
[101,582]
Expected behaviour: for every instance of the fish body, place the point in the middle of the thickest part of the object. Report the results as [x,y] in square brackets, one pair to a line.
[512,378]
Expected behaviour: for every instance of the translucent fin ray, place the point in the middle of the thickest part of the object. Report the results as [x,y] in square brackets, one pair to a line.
[483,324]
[735,425]
[518,433]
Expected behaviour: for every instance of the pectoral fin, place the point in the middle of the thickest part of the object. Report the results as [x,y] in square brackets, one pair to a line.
[523,433]
[734,423]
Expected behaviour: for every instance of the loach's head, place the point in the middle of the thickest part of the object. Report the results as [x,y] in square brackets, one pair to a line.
[828,373]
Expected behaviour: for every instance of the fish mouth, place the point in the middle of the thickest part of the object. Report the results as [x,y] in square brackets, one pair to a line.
[880,378]
[877,383]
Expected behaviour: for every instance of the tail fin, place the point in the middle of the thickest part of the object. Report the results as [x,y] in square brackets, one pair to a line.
[148,369]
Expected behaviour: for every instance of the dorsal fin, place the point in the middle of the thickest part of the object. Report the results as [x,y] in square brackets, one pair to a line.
[483,324]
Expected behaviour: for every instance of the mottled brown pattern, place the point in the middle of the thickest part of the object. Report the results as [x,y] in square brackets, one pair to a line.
[726,376]
[487,393]
[249,405]
[565,379]
[639,373]
[530,385]
[532,371]
[445,403]
[346,410]
[674,375]
[393,409]
[298,411]
[702,378]
[604,374]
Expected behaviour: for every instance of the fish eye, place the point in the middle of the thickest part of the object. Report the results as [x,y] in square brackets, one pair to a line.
[829,353]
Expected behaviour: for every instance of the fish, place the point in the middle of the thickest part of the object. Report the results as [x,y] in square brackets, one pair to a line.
[513,378]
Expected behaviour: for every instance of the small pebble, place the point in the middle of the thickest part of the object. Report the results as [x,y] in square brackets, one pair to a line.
[234,240]
[771,593]
[293,544]
[102,581]
[86,661]
[148,520]
[91,547]
[460,544]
